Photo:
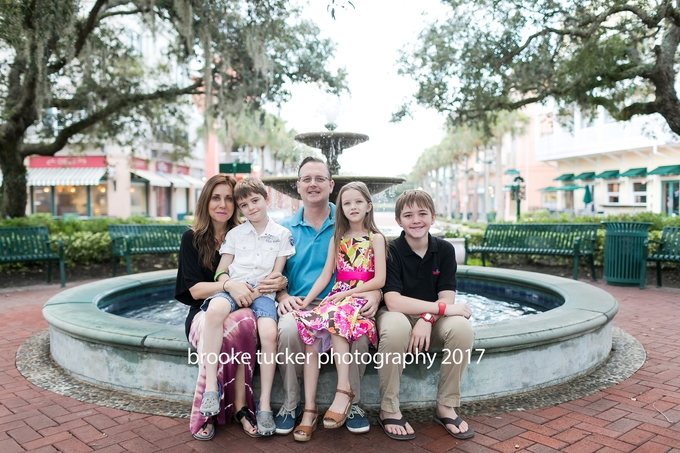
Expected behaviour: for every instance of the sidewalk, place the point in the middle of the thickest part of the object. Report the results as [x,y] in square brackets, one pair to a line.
[631,416]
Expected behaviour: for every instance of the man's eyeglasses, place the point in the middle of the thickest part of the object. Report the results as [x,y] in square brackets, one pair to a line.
[317,179]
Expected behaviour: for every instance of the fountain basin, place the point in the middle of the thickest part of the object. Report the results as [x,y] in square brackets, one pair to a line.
[375,184]
[151,359]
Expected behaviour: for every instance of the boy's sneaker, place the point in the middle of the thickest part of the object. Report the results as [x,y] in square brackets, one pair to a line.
[357,422]
[285,419]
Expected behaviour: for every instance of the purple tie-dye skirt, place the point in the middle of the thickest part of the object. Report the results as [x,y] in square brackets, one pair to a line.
[240,338]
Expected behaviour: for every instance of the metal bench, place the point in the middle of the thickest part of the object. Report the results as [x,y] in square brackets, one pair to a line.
[668,250]
[31,243]
[553,239]
[128,240]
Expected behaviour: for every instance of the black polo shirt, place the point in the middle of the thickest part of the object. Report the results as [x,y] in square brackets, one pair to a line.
[421,278]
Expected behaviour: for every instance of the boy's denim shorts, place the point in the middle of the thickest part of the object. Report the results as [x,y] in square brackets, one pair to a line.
[263,306]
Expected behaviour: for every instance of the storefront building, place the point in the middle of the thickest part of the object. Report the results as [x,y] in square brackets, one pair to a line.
[610,167]
[114,185]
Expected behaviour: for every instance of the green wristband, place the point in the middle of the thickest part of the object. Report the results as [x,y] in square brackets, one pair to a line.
[217,275]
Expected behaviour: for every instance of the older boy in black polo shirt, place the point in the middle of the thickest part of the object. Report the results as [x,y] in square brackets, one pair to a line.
[420,311]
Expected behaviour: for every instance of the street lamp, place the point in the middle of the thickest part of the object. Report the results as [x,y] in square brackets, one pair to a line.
[517,191]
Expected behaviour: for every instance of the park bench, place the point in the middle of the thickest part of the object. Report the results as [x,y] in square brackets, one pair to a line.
[668,249]
[31,243]
[553,239]
[128,240]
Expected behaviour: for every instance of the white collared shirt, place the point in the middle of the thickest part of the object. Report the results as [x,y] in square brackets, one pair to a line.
[254,255]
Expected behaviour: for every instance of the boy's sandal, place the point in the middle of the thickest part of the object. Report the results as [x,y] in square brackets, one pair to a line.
[208,436]
[303,433]
[455,422]
[210,402]
[396,422]
[245,412]
[332,419]
[265,423]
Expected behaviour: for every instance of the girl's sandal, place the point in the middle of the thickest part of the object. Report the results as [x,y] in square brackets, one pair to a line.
[332,419]
[303,433]
[245,412]
[211,433]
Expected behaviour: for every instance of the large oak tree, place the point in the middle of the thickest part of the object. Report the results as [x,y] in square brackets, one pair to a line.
[492,55]
[71,71]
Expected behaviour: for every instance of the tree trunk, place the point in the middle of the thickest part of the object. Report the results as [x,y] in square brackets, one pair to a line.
[13,181]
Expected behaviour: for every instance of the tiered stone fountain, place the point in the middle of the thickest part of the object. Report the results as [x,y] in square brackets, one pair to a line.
[332,144]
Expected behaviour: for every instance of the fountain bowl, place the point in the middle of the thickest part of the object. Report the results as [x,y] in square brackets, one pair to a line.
[328,139]
[376,184]
[151,359]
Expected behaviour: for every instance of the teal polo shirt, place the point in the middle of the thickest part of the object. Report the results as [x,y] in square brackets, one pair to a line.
[311,250]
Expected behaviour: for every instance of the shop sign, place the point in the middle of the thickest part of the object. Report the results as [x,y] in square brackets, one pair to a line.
[67,162]
[163,167]
[139,164]
[181,170]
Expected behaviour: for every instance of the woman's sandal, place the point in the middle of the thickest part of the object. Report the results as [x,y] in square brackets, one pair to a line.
[245,412]
[210,402]
[332,419]
[303,433]
[208,436]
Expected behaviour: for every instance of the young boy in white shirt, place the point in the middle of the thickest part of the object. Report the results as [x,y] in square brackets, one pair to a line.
[250,253]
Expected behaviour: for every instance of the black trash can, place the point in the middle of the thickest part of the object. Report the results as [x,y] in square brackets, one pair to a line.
[625,253]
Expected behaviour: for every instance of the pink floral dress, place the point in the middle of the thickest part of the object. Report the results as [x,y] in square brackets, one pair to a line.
[355,266]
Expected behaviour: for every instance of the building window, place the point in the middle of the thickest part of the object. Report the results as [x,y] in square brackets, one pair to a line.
[99,200]
[613,192]
[42,199]
[640,192]
[587,120]
[70,200]
[138,200]
[546,122]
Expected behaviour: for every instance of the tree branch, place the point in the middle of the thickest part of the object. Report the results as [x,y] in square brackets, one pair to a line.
[120,13]
[592,25]
[48,149]
[83,34]
[638,108]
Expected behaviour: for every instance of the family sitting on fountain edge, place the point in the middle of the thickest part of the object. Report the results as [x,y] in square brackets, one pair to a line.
[417,278]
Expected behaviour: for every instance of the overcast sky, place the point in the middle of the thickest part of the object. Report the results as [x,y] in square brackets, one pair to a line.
[368,39]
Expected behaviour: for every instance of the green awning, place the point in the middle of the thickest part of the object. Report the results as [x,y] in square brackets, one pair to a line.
[565,177]
[511,172]
[586,175]
[634,172]
[570,187]
[608,174]
[548,189]
[666,170]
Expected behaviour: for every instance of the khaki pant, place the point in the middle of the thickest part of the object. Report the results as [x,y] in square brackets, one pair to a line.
[450,332]
[291,372]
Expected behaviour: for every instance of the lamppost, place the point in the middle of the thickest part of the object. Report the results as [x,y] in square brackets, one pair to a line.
[517,192]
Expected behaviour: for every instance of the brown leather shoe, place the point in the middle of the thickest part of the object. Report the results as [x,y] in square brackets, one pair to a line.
[332,419]
[303,433]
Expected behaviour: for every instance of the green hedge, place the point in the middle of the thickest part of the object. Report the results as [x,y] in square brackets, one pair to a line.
[85,241]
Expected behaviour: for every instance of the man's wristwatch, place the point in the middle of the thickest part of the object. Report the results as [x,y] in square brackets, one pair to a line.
[428,317]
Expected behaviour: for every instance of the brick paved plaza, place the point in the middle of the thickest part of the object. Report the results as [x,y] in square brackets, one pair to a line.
[631,416]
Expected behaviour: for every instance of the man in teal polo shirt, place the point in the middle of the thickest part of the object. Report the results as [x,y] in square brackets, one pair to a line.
[312,228]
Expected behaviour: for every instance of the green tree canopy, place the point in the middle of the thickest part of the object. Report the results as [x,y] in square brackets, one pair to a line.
[72,72]
[492,55]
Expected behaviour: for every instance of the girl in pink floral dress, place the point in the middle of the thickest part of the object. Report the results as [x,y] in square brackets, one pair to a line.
[357,252]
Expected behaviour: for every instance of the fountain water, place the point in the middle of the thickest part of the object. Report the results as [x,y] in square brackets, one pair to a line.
[332,143]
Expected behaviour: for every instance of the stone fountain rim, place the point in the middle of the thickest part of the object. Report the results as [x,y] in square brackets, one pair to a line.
[77,312]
